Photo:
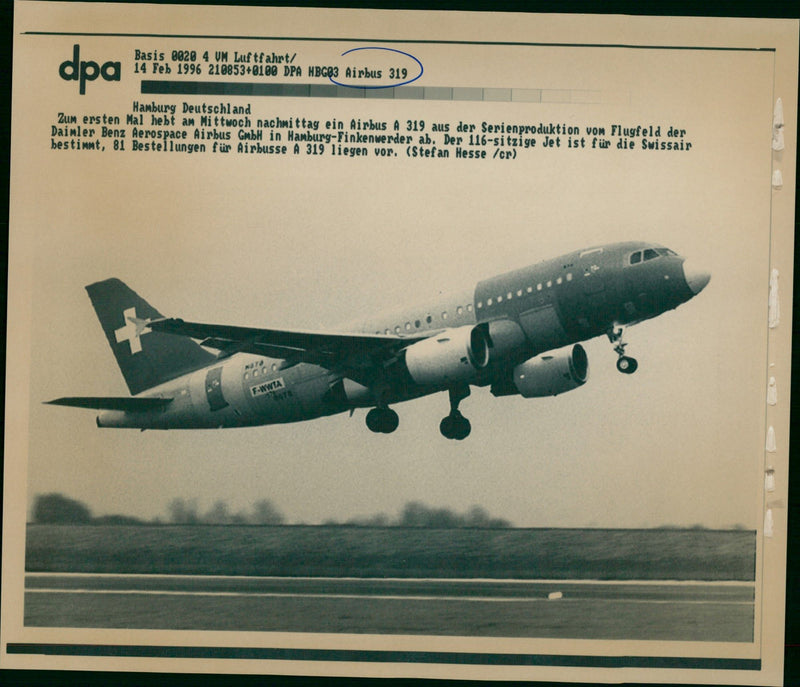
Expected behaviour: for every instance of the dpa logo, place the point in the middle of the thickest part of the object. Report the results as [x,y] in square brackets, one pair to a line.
[80,71]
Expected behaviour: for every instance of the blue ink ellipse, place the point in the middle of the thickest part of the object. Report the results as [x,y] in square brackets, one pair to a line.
[391,85]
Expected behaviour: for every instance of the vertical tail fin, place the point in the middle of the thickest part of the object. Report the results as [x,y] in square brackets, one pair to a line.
[146,358]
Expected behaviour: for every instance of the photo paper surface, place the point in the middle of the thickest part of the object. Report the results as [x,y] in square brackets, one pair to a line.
[398,343]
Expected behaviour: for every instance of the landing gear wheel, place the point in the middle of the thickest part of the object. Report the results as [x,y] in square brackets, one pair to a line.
[382,420]
[462,429]
[446,427]
[390,421]
[455,426]
[627,365]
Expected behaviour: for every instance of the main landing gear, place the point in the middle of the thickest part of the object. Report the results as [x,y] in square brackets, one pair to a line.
[455,425]
[625,364]
[382,420]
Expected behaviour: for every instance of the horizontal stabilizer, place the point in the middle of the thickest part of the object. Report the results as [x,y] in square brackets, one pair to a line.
[131,405]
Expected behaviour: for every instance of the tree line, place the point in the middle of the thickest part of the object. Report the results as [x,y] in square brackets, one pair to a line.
[417,514]
[263,512]
[56,508]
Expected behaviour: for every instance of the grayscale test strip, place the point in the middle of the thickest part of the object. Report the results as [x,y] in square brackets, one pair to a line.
[292,90]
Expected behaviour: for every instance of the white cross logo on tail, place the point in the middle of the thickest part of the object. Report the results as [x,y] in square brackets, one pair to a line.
[132,331]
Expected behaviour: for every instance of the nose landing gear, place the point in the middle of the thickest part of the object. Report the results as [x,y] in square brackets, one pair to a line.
[455,425]
[625,364]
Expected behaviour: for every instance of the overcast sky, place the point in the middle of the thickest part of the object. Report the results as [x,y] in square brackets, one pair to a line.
[315,242]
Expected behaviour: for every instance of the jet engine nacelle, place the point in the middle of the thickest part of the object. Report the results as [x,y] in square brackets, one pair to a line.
[547,375]
[454,355]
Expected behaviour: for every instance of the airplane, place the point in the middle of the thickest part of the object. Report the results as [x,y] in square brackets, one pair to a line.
[518,333]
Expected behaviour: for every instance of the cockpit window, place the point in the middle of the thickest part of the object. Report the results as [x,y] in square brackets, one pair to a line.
[650,254]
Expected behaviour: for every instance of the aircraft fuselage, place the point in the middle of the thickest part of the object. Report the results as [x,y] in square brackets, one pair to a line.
[520,314]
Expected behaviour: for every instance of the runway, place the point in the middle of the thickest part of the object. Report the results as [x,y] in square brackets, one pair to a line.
[663,610]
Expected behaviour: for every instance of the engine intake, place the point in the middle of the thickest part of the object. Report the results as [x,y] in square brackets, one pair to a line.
[547,375]
[455,355]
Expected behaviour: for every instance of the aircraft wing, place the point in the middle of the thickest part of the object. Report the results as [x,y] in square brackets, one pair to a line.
[349,352]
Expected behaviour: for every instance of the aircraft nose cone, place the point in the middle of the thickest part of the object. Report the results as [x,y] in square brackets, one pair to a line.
[696,278]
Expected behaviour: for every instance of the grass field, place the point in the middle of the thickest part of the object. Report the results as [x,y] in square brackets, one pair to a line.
[660,554]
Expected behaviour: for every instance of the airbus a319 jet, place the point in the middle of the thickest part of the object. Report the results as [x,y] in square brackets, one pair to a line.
[518,333]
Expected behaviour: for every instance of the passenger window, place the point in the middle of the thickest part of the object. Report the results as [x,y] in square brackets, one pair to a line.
[650,254]
[636,257]
[274,366]
[488,301]
[469,307]
[444,315]
[408,326]
[480,304]
[429,319]
[397,329]
[539,287]
[510,295]
[549,283]
[569,276]
[519,293]
[460,310]
[499,299]
[417,324]
[559,280]
[529,289]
